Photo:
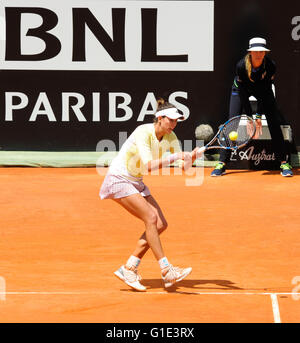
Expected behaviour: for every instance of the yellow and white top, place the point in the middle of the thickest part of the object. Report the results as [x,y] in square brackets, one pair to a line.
[141,147]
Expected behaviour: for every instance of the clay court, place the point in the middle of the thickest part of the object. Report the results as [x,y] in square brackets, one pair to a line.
[60,245]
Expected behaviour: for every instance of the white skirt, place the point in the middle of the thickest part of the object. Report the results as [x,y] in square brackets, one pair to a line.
[117,186]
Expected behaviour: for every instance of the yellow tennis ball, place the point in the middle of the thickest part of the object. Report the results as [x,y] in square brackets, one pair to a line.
[233,135]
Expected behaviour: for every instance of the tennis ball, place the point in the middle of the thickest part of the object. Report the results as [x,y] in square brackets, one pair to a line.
[233,135]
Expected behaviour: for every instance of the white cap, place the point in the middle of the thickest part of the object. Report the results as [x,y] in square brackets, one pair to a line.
[257,44]
[171,113]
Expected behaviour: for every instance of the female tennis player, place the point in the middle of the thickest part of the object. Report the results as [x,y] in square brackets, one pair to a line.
[254,76]
[140,154]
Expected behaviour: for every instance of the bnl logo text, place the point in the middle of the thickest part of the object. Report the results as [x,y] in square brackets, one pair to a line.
[83,18]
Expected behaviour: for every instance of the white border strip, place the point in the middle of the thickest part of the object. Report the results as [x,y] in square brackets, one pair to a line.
[275,307]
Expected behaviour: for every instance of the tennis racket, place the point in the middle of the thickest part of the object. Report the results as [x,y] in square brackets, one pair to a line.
[232,135]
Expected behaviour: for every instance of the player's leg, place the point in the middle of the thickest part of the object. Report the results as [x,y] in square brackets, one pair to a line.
[137,205]
[235,109]
[152,216]
[142,245]
[274,122]
[170,274]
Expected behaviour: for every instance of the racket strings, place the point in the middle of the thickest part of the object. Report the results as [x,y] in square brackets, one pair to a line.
[243,126]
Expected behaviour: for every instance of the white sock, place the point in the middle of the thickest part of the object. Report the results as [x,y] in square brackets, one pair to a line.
[133,262]
[163,263]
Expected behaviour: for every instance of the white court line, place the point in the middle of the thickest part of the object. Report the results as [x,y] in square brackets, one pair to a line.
[223,293]
[148,292]
[275,307]
[50,293]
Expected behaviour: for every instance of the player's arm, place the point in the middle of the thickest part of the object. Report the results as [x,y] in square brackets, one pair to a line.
[271,69]
[258,116]
[142,139]
[240,73]
[188,158]
[143,145]
[181,157]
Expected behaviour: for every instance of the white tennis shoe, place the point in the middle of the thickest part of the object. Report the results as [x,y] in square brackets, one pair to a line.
[175,274]
[131,278]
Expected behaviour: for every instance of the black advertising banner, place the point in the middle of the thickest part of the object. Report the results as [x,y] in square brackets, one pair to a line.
[257,155]
[74,73]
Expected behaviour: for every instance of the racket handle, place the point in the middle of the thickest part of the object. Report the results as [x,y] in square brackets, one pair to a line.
[200,151]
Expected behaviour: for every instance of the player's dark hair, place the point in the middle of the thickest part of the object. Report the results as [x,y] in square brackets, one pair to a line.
[162,105]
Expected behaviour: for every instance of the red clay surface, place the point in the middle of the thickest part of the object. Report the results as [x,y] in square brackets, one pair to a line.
[60,245]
